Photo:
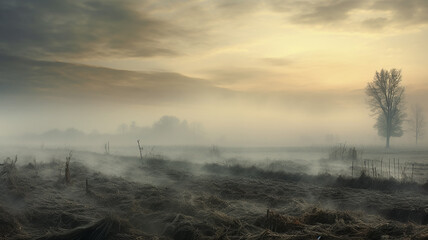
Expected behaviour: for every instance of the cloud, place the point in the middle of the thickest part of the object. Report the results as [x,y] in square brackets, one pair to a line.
[67,29]
[324,12]
[238,7]
[235,74]
[375,23]
[245,79]
[57,82]
[405,12]
[279,62]
[79,29]
[45,79]
[344,15]
[351,15]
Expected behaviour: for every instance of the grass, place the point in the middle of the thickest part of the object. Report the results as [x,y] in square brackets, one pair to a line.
[344,152]
[195,208]
[8,171]
[383,184]
[363,181]
[102,229]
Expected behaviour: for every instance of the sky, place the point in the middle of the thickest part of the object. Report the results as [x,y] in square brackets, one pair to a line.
[257,73]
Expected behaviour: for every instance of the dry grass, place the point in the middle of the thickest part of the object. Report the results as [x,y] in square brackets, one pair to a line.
[100,230]
[229,205]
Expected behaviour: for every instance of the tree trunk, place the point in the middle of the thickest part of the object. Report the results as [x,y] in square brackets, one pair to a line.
[388,129]
[387,141]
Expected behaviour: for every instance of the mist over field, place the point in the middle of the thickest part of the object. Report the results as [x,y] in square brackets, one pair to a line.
[203,119]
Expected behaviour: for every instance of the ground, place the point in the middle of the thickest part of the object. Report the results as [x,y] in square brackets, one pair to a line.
[117,197]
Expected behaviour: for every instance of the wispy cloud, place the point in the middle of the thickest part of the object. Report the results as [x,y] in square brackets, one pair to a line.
[25,77]
[79,29]
[279,62]
[346,14]
[94,28]
[405,12]
[325,12]
[375,24]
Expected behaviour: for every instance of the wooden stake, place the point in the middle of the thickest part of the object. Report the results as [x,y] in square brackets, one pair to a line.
[365,168]
[389,168]
[140,149]
[67,169]
[399,171]
[395,175]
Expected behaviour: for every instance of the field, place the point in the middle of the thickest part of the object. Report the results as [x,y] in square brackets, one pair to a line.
[212,193]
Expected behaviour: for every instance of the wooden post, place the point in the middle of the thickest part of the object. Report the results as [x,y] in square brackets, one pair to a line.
[413,166]
[67,169]
[140,149]
[268,223]
[394,173]
[365,168]
[107,148]
[398,169]
[375,170]
[389,168]
[352,168]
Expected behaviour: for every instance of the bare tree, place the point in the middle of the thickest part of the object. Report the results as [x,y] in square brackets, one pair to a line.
[417,122]
[386,102]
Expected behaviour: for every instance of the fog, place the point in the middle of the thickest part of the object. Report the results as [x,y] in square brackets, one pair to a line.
[39,96]
[213,119]
[237,126]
